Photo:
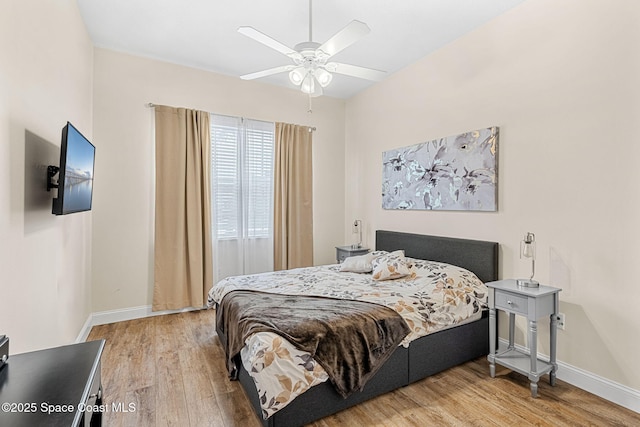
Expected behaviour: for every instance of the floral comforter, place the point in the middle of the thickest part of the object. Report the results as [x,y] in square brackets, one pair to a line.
[433,297]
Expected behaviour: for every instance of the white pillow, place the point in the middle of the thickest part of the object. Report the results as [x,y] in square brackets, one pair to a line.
[358,264]
[391,266]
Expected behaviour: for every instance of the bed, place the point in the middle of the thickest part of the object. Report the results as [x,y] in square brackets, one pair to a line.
[421,358]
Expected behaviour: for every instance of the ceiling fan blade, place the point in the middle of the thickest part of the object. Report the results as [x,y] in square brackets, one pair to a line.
[269,72]
[345,37]
[355,71]
[268,41]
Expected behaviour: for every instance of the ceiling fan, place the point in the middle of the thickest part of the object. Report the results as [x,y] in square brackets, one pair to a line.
[311,70]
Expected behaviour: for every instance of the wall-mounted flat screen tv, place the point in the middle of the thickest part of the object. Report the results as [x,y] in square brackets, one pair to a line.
[75,182]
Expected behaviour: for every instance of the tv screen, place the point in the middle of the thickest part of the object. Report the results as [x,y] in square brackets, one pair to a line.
[75,182]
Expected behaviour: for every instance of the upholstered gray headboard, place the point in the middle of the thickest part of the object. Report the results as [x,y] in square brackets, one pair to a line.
[477,256]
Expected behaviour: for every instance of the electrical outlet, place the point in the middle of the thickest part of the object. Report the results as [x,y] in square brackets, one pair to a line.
[561,321]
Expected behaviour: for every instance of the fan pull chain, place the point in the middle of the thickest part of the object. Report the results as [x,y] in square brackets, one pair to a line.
[309,110]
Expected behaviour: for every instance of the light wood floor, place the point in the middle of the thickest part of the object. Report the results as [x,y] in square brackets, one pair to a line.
[172,369]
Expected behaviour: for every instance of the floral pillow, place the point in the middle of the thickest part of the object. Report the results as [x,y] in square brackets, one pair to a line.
[391,266]
[361,263]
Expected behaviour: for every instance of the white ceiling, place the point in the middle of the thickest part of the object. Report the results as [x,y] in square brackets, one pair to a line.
[203,33]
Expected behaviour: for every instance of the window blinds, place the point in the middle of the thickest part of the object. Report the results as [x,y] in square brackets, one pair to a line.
[242,176]
[242,158]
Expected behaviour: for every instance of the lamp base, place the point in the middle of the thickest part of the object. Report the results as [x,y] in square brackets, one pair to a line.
[528,283]
[356,246]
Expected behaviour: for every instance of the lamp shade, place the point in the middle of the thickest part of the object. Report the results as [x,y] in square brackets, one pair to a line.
[528,250]
[296,76]
[323,76]
[310,85]
[528,246]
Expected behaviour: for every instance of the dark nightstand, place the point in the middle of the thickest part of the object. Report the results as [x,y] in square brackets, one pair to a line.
[343,252]
[55,387]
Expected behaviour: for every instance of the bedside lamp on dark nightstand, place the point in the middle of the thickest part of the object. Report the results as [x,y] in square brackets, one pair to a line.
[528,250]
[357,229]
[355,249]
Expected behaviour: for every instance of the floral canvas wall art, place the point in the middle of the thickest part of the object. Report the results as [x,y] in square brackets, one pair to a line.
[453,173]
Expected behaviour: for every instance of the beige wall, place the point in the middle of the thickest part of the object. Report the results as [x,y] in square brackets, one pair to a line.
[124,190]
[45,261]
[562,81]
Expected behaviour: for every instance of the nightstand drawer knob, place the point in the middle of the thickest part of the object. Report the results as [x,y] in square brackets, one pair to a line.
[509,302]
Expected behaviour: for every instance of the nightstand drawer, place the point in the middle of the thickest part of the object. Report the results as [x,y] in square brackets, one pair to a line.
[511,302]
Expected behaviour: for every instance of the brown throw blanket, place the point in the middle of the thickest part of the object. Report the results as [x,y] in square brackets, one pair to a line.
[349,339]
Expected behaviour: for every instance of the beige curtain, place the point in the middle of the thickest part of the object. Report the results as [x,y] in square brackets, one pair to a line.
[183,258]
[293,209]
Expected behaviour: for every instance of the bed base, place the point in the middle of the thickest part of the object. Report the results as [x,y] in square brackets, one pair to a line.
[403,368]
[454,346]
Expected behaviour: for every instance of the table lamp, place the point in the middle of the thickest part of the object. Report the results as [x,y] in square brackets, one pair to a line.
[357,229]
[528,250]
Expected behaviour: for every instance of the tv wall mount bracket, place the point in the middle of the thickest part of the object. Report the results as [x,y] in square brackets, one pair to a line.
[51,172]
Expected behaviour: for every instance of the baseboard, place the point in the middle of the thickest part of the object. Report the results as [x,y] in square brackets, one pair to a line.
[121,315]
[86,328]
[606,389]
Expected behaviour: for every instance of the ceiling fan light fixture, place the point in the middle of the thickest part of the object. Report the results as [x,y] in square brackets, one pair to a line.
[297,75]
[308,84]
[323,76]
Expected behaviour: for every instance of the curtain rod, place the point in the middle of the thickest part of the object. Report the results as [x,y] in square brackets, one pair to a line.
[151,105]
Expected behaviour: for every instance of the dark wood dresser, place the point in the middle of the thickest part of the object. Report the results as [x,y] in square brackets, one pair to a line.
[54,387]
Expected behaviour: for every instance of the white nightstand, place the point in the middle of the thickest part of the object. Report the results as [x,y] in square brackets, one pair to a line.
[533,303]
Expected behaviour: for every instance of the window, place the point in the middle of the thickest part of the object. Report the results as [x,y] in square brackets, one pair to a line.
[242,157]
